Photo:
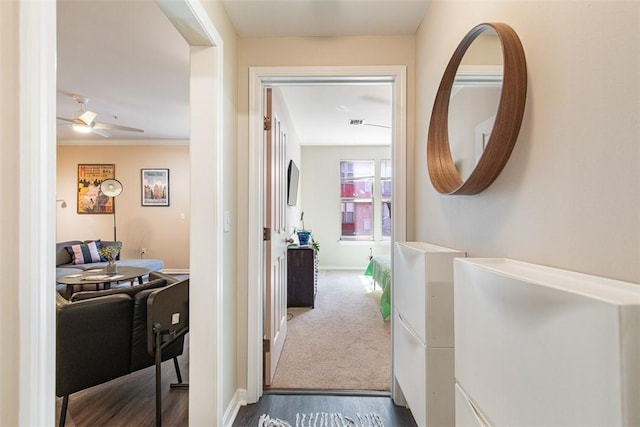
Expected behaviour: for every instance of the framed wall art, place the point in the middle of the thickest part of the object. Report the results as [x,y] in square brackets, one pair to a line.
[90,199]
[155,187]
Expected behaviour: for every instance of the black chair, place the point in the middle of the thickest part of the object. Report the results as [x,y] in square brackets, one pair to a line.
[103,335]
[167,322]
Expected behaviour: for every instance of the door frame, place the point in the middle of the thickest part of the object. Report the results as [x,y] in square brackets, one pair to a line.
[259,77]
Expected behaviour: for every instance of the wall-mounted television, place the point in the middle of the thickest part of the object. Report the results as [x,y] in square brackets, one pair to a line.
[293,176]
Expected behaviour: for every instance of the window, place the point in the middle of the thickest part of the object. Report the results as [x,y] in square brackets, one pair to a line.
[365,198]
[357,179]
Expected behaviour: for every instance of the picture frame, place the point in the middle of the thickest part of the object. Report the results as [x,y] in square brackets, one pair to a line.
[154,187]
[90,198]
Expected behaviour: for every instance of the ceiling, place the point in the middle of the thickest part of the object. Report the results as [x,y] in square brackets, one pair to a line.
[133,66]
[325,18]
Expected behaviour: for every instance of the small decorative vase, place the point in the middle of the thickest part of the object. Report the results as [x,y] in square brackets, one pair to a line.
[111,268]
[303,237]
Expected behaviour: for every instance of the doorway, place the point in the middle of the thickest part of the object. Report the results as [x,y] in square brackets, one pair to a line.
[37,167]
[339,135]
[259,79]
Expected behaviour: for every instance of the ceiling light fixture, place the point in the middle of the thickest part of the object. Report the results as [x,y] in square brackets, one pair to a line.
[81,128]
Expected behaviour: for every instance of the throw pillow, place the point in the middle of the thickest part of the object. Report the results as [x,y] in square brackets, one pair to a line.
[84,254]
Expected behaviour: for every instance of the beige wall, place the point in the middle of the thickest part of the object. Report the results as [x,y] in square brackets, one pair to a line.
[9,214]
[163,231]
[306,51]
[229,174]
[570,194]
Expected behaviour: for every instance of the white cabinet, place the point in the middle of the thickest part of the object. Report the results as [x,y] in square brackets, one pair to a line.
[423,330]
[539,346]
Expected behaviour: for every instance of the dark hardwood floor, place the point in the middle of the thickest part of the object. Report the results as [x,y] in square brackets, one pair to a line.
[286,406]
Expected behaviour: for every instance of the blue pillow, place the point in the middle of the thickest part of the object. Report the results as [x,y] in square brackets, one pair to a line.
[84,253]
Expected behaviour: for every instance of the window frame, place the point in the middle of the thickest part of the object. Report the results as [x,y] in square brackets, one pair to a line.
[385,199]
[353,199]
[374,198]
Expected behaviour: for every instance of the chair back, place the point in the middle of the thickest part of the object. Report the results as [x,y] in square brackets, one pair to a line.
[168,313]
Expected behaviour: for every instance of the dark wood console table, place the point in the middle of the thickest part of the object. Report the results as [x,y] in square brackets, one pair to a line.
[302,277]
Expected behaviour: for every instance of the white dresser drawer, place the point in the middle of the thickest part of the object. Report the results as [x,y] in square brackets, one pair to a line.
[540,346]
[423,290]
[425,376]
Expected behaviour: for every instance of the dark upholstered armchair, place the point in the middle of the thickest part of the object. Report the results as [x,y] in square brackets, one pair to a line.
[102,335]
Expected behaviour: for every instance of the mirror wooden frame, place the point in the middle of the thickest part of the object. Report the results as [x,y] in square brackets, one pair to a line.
[442,170]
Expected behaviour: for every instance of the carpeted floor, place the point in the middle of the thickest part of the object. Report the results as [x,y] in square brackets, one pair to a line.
[341,344]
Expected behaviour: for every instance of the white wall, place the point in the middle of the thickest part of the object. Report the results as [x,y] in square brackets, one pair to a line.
[320,176]
[229,188]
[570,194]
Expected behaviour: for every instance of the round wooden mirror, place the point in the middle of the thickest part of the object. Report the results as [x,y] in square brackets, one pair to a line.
[443,172]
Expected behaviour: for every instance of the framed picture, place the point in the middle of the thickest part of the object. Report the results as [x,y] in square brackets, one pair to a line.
[155,187]
[90,199]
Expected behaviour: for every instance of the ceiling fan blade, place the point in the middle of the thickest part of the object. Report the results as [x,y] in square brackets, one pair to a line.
[379,126]
[87,117]
[99,125]
[64,119]
[101,132]
[361,122]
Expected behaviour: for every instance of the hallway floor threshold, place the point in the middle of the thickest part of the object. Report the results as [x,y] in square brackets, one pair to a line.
[325,392]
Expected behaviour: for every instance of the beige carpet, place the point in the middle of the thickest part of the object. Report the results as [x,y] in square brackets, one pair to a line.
[341,344]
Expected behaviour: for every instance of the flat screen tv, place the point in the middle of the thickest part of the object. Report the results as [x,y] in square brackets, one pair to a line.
[293,176]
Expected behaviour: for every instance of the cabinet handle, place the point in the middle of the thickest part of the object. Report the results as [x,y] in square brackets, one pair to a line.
[409,328]
[480,418]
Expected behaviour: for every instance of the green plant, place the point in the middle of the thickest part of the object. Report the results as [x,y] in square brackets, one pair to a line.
[315,244]
[110,252]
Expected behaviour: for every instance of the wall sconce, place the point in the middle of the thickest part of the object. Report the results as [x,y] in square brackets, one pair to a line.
[63,204]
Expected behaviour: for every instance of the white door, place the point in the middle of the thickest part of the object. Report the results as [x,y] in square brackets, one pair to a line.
[275,239]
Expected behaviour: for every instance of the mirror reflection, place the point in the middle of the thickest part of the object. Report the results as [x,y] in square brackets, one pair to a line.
[474,100]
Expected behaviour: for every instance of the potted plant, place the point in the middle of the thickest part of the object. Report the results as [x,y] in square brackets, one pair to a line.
[110,253]
[303,235]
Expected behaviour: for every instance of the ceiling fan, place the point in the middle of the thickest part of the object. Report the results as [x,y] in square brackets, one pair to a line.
[361,122]
[84,120]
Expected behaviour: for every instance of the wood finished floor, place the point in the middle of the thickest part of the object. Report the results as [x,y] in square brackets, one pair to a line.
[285,407]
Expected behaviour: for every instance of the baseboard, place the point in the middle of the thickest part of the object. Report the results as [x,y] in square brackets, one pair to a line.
[239,399]
[175,270]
